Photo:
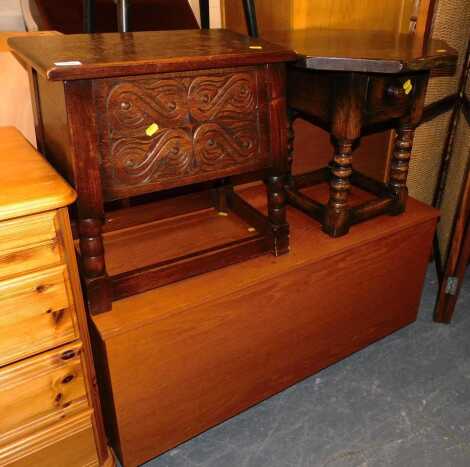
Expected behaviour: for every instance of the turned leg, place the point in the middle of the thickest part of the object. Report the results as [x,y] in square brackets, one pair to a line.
[98,287]
[277,215]
[399,167]
[337,213]
[291,116]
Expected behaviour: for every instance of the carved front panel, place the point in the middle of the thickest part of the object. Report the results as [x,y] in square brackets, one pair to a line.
[168,131]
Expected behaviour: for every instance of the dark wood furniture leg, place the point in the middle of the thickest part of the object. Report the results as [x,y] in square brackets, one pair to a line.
[291,117]
[250,16]
[276,179]
[337,218]
[404,146]
[346,126]
[399,167]
[89,16]
[82,129]
[205,14]
[277,214]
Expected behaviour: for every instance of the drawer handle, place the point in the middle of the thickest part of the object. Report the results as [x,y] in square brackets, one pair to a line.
[42,288]
[57,315]
[68,379]
[395,91]
[68,354]
[400,90]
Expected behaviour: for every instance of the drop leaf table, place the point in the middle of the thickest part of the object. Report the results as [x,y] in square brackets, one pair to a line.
[351,83]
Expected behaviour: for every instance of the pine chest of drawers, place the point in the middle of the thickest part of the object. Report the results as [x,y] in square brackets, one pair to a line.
[50,413]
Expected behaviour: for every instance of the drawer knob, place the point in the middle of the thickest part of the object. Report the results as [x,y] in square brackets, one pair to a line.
[125,106]
[68,379]
[68,354]
[400,90]
[41,288]
[396,91]
[57,316]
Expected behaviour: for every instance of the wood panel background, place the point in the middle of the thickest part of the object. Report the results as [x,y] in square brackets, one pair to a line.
[335,14]
[373,154]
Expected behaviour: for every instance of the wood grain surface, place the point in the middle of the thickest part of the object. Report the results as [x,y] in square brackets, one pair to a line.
[364,51]
[25,170]
[38,307]
[397,15]
[143,53]
[189,355]
[69,442]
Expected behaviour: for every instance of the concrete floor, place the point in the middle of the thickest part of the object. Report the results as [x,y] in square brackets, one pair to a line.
[404,402]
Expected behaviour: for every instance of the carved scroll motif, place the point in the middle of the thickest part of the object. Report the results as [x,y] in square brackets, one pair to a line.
[134,105]
[136,162]
[221,97]
[216,147]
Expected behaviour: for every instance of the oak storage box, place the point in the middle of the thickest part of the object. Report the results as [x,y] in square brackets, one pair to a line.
[179,359]
[124,116]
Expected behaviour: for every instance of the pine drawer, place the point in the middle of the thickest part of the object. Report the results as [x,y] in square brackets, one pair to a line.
[36,314]
[40,387]
[28,243]
[68,443]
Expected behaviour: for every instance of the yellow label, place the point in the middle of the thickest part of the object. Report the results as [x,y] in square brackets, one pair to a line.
[152,129]
[407,86]
[256,47]
[222,213]
[441,51]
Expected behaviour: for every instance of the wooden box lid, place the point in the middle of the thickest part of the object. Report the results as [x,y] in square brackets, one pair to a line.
[28,183]
[87,56]
[364,51]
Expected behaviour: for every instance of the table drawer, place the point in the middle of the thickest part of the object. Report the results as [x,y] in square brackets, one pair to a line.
[28,243]
[165,131]
[389,97]
[68,443]
[37,388]
[36,314]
